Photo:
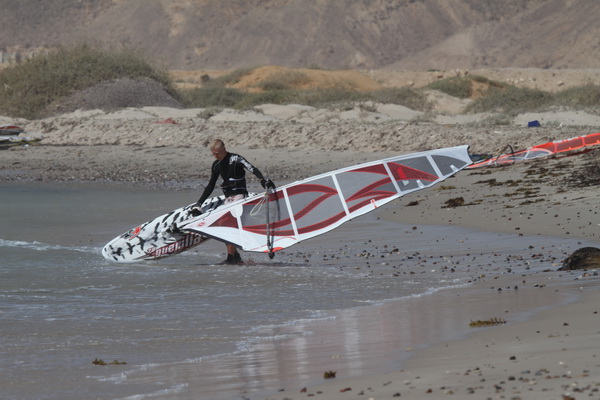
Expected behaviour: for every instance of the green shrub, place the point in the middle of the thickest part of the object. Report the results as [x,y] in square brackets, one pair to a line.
[511,101]
[405,96]
[328,97]
[217,94]
[251,100]
[28,88]
[211,96]
[231,78]
[581,97]
[456,87]
[462,86]
[284,81]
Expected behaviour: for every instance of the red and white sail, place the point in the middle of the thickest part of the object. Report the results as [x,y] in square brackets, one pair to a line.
[541,150]
[316,205]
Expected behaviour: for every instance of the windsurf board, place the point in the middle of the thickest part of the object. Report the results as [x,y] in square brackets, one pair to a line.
[152,240]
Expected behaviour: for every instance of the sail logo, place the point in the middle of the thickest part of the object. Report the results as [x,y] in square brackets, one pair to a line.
[132,234]
[189,240]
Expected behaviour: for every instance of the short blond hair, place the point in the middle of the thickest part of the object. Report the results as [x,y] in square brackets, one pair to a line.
[217,145]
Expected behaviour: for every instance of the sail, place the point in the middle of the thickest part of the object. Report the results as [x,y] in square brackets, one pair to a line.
[316,205]
[541,150]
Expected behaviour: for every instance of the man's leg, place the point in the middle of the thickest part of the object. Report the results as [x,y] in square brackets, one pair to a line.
[233,254]
[231,250]
[233,257]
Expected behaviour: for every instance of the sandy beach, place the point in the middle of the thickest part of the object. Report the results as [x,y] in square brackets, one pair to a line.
[550,355]
[553,355]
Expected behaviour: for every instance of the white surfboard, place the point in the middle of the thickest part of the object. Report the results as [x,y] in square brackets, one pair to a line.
[152,240]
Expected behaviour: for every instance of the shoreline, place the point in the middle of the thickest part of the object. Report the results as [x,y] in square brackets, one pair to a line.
[532,197]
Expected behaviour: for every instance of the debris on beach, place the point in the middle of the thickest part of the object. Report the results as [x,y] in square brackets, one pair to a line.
[329,374]
[455,202]
[586,176]
[99,361]
[488,322]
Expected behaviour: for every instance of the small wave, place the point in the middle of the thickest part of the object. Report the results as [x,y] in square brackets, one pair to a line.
[121,377]
[39,246]
[159,394]
[97,288]
[453,284]
[316,316]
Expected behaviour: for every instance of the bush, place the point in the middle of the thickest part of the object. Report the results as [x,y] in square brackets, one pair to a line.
[211,96]
[29,87]
[404,96]
[281,89]
[456,87]
[284,81]
[511,101]
[462,86]
[582,97]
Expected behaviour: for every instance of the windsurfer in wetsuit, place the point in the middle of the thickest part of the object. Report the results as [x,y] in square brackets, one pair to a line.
[232,168]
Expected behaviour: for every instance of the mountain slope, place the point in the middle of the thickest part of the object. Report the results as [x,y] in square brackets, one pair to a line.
[333,34]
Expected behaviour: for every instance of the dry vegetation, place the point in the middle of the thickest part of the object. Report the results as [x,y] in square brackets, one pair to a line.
[84,77]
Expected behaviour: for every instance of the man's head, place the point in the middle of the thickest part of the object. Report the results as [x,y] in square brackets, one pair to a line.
[218,149]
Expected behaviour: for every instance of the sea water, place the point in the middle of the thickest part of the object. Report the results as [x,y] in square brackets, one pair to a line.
[186,327]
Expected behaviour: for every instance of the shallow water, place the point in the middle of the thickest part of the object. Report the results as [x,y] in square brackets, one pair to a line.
[187,328]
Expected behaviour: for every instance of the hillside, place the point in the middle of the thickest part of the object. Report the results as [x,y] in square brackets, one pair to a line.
[330,34]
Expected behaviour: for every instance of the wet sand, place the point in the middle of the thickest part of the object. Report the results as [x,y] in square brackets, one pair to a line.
[373,347]
[551,355]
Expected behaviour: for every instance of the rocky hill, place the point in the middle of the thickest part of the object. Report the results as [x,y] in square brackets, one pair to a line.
[331,34]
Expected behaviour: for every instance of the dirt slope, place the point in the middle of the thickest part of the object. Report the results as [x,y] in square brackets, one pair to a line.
[550,80]
[331,34]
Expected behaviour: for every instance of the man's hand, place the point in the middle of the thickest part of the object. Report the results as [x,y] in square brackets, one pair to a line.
[196,210]
[267,184]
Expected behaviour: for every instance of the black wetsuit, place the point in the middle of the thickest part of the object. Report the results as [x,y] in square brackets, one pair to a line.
[232,170]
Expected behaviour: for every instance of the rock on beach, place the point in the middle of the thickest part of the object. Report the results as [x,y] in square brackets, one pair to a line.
[584,258]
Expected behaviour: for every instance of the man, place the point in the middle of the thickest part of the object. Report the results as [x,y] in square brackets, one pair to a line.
[232,169]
